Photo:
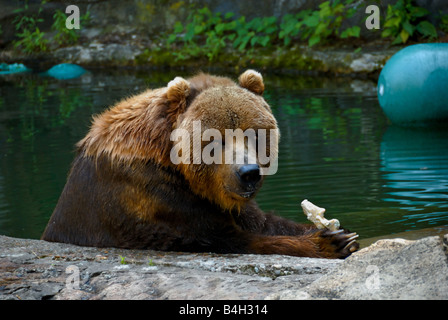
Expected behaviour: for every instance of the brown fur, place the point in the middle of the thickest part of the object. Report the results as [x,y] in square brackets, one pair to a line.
[124,191]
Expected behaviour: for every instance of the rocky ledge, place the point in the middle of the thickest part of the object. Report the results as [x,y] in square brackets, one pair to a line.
[299,59]
[387,269]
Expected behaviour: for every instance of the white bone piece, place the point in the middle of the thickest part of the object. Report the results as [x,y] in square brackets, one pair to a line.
[316,216]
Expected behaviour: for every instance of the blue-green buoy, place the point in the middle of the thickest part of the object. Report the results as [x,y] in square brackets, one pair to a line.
[12,68]
[413,85]
[65,71]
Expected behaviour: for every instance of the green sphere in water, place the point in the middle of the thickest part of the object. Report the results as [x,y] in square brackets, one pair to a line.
[413,85]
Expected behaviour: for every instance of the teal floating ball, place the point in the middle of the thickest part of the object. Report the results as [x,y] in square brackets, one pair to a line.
[12,68]
[413,85]
[65,71]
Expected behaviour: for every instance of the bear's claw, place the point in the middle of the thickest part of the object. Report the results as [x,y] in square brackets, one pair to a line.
[337,244]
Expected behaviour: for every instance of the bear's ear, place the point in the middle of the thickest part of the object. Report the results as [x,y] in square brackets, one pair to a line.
[252,81]
[178,91]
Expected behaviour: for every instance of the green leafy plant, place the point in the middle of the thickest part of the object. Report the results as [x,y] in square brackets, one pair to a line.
[207,33]
[198,35]
[404,20]
[123,260]
[317,26]
[290,26]
[31,41]
[443,24]
[260,31]
[30,38]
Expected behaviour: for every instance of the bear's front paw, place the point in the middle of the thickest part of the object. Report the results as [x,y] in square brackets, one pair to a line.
[336,244]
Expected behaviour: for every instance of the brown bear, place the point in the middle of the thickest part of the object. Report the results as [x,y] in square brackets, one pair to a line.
[124,190]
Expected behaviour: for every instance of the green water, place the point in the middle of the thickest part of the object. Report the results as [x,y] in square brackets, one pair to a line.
[336,150]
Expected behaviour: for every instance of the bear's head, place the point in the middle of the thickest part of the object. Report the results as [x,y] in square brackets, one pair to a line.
[220,135]
[224,138]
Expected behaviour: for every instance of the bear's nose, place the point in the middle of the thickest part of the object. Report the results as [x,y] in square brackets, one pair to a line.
[250,174]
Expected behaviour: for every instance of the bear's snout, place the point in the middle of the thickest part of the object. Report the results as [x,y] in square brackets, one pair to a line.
[249,175]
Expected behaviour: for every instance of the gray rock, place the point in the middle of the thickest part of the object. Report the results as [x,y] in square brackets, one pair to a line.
[387,269]
[98,54]
[367,63]
[33,269]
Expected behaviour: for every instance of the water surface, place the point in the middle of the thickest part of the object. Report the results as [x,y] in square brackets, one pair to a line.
[336,150]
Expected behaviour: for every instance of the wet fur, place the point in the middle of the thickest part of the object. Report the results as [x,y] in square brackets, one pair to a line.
[123,191]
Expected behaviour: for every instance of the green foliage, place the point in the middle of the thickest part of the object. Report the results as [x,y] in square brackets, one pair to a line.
[289,28]
[257,32]
[320,25]
[404,20]
[123,260]
[443,24]
[209,34]
[64,35]
[31,39]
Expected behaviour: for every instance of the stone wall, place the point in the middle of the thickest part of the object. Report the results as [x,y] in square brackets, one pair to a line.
[387,269]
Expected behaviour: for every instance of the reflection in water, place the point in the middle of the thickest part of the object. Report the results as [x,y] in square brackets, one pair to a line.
[332,151]
[329,147]
[415,168]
